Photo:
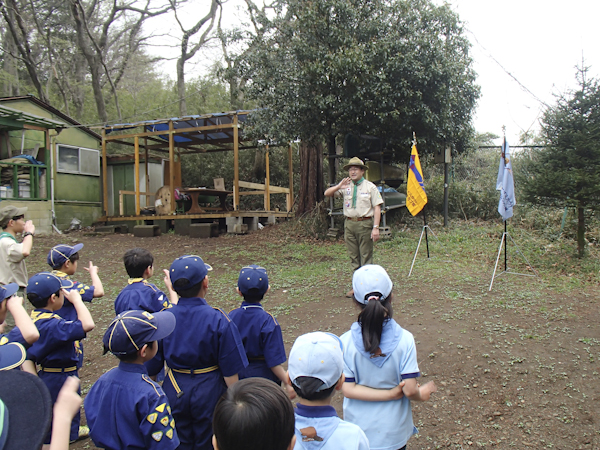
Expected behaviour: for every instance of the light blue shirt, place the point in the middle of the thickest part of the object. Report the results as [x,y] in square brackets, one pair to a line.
[319,428]
[388,425]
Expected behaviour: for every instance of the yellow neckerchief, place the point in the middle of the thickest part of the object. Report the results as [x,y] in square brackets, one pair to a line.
[58,273]
[135,280]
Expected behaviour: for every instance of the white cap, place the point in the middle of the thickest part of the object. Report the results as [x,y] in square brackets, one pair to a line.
[318,355]
[371,280]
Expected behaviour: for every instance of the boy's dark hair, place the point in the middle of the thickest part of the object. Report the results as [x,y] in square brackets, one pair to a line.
[190,292]
[254,414]
[74,257]
[253,296]
[373,316]
[137,260]
[307,388]
[128,357]
[39,302]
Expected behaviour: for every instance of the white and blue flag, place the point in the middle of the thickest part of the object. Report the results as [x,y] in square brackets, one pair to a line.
[505,184]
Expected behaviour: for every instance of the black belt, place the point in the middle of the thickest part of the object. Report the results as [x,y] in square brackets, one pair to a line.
[359,219]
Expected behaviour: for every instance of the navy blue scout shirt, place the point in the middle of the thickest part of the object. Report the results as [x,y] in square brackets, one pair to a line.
[68,311]
[15,336]
[141,294]
[57,346]
[204,337]
[125,409]
[262,339]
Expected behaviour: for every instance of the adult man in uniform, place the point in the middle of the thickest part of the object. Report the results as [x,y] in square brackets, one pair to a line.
[13,252]
[362,209]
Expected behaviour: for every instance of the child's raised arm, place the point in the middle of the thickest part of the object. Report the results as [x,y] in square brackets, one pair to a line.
[173,297]
[418,393]
[83,314]
[98,288]
[369,394]
[26,326]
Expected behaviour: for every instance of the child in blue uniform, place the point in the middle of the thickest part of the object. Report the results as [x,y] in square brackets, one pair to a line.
[55,351]
[380,364]
[26,333]
[204,355]
[259,330]
[125,409]
[315,371]
[139,293]
[64,262]
[254,414]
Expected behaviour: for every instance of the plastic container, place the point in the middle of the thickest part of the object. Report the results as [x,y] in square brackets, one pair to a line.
[24,189]
[6,192]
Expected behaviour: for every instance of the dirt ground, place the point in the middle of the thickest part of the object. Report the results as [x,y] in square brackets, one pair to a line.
[515,368]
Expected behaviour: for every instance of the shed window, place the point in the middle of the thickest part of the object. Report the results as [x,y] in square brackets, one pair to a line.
[83,161]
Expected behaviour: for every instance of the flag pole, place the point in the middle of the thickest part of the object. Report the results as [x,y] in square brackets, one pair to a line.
[505,247]
[505,184]
[425,226]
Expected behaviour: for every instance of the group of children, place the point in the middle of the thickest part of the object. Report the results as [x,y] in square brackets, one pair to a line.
[203,353]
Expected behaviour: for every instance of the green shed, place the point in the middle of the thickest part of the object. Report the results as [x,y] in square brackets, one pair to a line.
[50,163]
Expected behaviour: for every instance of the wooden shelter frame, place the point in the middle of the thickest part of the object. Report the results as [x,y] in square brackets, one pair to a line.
[203,134]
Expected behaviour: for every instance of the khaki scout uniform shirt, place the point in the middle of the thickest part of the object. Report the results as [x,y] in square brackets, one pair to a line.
[367,197]
[12,261]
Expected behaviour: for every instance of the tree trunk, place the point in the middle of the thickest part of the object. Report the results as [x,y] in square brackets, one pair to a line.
[580,231]
[332,161]
[311,177]
[181,86]
[259,168]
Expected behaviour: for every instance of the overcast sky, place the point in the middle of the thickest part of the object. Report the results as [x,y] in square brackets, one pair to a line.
[524,51]
[540,43]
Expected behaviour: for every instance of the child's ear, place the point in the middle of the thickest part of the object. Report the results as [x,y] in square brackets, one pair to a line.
[214,442]
[237,289]
[289,380]
[143,351]
[340,382]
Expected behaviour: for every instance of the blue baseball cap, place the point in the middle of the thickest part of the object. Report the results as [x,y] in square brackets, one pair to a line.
[60,254]
[318,355]
[8,290]
[190,268]
[130,330]
[12,355]
[253,277]
[44,284]
[371,282]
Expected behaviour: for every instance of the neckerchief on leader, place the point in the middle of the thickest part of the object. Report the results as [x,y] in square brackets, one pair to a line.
[355,190]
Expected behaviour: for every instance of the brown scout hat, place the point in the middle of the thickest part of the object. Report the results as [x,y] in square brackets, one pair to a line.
[356,162]
[8,212]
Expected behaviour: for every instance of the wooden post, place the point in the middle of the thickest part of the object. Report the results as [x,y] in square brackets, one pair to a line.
[236,161]
[267,182]
[290,195]
[104,173]
[147,188]
[172,165]
[136,146]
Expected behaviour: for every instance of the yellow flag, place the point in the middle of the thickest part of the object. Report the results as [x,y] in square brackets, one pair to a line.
[416,198]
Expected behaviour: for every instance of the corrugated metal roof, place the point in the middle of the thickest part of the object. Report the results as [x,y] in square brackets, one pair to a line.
[23,118]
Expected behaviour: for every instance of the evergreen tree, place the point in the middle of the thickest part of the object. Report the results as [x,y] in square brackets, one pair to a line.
[567,172]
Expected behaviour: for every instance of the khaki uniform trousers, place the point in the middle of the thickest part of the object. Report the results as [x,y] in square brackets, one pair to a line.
[357,235]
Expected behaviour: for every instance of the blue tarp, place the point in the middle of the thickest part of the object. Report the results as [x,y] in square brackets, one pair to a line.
[194,121]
